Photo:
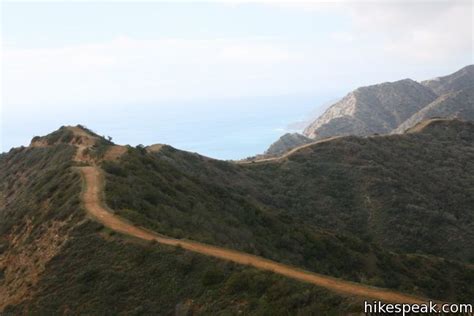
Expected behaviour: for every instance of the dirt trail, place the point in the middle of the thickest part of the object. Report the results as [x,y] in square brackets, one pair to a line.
[287,154]
[92,198]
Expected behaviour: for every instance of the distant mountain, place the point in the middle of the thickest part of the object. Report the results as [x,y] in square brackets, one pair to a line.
[373,109]
[286,142]
[460,80]
[389,108]
[386,107]
[458,104]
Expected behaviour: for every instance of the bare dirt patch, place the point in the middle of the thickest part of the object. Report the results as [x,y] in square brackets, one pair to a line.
[154,148]
[115,152]
[26,257]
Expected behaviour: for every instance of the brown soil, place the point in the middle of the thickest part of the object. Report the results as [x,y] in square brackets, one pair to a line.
[26,260]
[114,152]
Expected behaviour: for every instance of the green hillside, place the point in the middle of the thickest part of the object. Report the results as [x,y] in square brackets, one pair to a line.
[56,261]
[389,211]
[392,211]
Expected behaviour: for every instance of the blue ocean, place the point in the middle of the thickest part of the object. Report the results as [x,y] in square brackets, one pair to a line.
[223,129]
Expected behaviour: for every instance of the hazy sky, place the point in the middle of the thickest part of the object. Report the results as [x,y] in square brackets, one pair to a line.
[57,56]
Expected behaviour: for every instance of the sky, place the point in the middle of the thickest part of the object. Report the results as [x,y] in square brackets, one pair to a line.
[96,61]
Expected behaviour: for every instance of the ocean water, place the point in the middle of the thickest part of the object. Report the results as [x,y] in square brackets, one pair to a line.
[223,129]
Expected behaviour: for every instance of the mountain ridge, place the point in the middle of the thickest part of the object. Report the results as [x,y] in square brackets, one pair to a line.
[372,109]
[340,198]
[391,108]
[459,80]
[459,104]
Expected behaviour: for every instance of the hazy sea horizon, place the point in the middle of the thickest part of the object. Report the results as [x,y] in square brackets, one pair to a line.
[223,129]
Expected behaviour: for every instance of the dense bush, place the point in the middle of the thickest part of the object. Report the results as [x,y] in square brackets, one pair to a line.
[352,198]
[386,211]
[97,276]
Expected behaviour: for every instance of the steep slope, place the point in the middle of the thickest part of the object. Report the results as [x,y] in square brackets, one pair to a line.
[373,109]
[101,273]
[93,204]
[460,80]
[39,196]
[458,105]
[356,198]
[396,106]
[286,142]
[54,260]
[365,210]
[410,193]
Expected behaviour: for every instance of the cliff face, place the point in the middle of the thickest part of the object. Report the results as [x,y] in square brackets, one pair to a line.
[395,106]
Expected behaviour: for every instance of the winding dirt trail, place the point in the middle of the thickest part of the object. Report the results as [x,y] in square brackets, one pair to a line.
[92,199]
[288,153]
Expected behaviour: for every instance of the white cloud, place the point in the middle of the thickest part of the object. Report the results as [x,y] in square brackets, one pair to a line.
[128,70]
[424,31]
[384,41]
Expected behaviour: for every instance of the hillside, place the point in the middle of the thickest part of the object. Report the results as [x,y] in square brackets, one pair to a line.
[374,201]
[373,109]
[395,106]
[460,80]
[459,104]
[55,260]
[386,211]
[286,142]
[387,108]
[395,186]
